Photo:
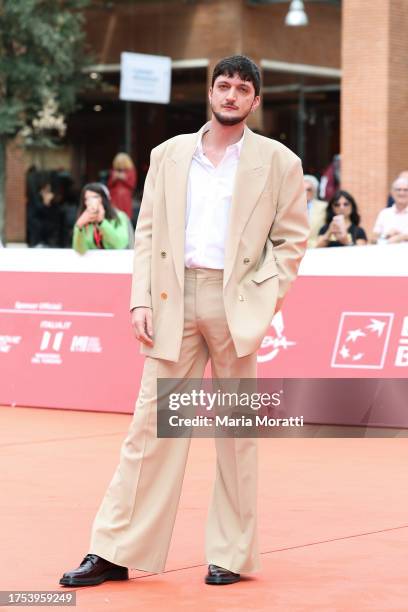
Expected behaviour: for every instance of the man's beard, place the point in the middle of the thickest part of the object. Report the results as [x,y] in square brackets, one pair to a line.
[229,120]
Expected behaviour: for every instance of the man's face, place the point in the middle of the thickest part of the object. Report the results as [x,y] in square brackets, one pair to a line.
[232,99]
[400,192]
[310,194]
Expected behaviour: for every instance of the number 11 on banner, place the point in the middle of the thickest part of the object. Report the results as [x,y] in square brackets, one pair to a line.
[47,338]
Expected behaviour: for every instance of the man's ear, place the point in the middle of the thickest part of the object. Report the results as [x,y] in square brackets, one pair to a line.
[255,103]
[210,94]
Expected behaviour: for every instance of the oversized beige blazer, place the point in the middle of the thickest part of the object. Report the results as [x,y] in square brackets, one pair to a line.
[267,235]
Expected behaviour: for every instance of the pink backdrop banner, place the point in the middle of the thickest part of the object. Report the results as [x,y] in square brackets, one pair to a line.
[66,341]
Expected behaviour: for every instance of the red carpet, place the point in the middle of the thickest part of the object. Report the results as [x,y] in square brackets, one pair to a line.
[333,519]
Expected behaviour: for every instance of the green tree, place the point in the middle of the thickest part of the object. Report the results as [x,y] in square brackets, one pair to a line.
[42,53]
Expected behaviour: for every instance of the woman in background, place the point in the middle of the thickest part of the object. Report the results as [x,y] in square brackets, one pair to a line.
[122,182]
[43,212]
[342,223]
[99,225]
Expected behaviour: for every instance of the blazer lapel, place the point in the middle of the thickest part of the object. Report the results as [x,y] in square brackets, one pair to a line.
[176,182]
[249,183]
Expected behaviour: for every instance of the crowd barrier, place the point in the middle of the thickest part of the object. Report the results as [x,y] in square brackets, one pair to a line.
[66,341]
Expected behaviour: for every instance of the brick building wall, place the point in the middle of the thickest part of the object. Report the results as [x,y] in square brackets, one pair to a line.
[15,221]
[266,36]
[214,28]
[374,131]
[398,88]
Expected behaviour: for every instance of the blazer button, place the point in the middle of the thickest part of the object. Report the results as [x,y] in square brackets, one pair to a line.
[163,295]
[241,298]
[246,260]
[163,254]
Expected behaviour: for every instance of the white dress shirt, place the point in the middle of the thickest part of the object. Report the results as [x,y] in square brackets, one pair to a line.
[392,219]
[209,198]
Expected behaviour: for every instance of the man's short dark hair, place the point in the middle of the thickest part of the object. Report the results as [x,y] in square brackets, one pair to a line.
[246,69]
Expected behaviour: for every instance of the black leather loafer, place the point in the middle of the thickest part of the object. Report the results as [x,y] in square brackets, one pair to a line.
[219,575]
[94,570]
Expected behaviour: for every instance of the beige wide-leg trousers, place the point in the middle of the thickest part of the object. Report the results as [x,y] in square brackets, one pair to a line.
[135,521]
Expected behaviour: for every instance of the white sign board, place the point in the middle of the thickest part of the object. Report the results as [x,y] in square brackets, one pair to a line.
[145,78]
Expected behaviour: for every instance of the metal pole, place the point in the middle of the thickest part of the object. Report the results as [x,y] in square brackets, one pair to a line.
[301,115]
[128,128]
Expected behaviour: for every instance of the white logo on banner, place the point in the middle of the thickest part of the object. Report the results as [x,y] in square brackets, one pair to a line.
[7,342]
[272,344]
[50,341]
[55,340]
[86,344]
[401,359]
[362,340]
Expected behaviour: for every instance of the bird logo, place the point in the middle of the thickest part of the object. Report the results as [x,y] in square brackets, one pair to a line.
[362,340]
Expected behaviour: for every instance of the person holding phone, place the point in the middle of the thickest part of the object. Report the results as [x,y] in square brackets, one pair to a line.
[99,225]
[342,226]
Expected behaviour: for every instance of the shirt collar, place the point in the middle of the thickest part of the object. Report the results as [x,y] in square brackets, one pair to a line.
[237,146]
[404,211]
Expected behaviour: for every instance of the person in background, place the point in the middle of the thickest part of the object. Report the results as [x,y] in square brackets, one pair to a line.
[99,225]
[390,199]
[316,209]
[66,197]
[43,214]
[330,181]
[342,226]
[122,182]
[392,222]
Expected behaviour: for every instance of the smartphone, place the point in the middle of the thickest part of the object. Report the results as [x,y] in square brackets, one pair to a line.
[339,221]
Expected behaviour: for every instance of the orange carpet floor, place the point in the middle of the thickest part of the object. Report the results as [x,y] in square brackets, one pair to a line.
[333,519]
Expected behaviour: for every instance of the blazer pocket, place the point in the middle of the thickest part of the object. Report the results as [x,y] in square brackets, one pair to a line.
[267,270]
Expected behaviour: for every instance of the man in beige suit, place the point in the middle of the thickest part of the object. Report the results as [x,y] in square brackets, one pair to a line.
[221,232]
